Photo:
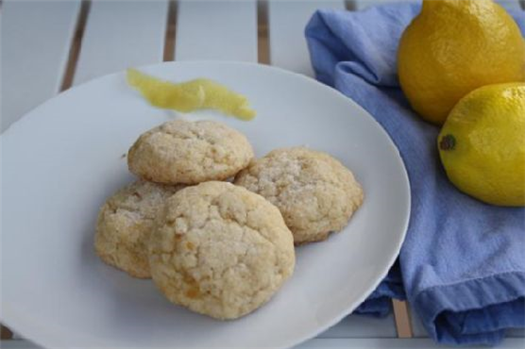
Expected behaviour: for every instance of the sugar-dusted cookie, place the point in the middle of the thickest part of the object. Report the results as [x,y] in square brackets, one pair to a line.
[188,152]
[125,222]
[220,250]
[315,193]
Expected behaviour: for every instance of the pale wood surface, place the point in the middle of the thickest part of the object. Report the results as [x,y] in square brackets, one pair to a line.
[286,22]
[216,30]
[354,326]
[402,319]
[120,34]
[35,40]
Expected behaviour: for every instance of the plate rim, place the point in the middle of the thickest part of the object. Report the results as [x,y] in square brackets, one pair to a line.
[15,323]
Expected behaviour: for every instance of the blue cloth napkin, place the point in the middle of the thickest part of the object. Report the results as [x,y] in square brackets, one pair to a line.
[462,266]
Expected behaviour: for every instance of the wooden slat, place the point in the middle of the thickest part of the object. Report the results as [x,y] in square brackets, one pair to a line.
[169,43]
[359,5]
[287,20]
[263,43]
[402,318]
[35,40]
[216,30]
[5,333]
[393,343]
[18,344]
[121,34]
[354,326]
[76,44]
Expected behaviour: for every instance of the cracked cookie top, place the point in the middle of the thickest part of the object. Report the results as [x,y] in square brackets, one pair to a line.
[188,152]
[315,193]
[220,250]
[125,222]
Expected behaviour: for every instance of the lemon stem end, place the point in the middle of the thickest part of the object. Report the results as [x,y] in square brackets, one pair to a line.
[448,142]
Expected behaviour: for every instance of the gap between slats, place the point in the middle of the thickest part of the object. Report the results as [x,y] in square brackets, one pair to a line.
[121,34]
[171,32]
[5,333]
[263,45]
[76,44]
[350,5]
[216,30]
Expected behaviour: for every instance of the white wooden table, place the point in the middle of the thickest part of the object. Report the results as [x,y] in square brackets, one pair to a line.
[49,46]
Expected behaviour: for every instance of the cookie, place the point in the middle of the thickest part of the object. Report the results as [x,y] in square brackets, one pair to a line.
[125,222]
[220,250]
[315,193]
[188,152]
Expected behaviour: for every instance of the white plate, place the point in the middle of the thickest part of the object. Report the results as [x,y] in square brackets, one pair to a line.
[64,158]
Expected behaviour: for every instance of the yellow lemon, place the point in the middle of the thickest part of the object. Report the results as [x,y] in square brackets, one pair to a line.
[453,47]
[482,144]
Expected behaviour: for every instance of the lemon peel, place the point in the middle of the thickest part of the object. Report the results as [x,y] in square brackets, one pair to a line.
[189,96]
[454,47]
[482,144]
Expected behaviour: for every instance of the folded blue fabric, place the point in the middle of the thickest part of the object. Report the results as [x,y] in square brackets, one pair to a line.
[462,266]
